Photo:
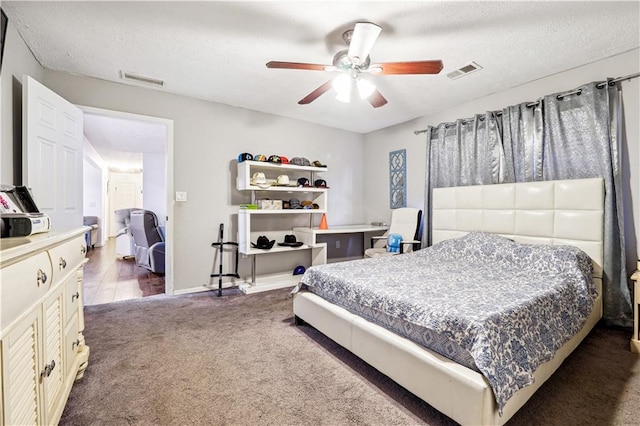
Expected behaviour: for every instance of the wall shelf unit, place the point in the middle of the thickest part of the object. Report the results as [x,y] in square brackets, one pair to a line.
[249,220]
[247,168]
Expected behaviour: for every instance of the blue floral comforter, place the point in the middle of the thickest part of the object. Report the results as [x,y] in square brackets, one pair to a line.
[510,306]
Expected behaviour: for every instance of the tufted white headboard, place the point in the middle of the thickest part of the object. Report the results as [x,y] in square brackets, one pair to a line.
[558,212]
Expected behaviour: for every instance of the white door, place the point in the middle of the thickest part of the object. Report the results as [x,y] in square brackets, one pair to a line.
[124,193]
[52,153]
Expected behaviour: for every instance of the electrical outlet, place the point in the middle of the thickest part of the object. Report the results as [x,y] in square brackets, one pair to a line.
[337,244]
[181,196]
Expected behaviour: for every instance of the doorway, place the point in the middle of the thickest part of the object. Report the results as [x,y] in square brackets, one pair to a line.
[134,155]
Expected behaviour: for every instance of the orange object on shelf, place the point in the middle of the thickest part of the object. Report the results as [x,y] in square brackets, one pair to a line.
[323,222]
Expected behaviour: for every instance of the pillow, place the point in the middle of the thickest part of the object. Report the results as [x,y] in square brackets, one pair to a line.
[475,246]
[486,248]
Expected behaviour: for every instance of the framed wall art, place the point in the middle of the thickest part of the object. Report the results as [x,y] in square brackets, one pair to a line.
[398,179]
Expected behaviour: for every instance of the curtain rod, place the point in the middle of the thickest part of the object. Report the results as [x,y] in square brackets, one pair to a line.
[599,86]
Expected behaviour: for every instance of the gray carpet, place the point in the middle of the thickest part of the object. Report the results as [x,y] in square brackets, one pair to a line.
[239,360]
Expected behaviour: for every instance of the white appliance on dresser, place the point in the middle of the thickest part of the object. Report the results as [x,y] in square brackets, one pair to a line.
[42,349]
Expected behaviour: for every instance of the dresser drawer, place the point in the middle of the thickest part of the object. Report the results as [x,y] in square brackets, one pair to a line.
[67,257]
[22,285]
[71,297]
[71,342]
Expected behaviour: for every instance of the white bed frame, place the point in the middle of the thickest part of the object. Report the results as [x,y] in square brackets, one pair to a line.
[551,212]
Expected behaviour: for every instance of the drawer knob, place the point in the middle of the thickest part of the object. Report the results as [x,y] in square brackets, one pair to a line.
[75,296]
[42,277]
[62,263]
[75,344]
[48,369]
[83,249]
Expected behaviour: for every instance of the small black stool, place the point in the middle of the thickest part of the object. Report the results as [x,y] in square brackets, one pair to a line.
[221,244]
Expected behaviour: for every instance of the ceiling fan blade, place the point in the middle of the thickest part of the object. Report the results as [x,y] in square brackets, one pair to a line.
[364,36]
[316,93]
[417,67]
[296,66]
[377,100]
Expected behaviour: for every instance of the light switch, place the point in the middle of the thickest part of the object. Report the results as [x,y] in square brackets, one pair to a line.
[181,196]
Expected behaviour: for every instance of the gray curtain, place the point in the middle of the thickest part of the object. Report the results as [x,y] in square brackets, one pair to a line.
[523,134]
[562,136]
[467,152]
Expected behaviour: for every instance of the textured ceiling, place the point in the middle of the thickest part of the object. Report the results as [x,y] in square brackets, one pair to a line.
[217,50]
[121,142]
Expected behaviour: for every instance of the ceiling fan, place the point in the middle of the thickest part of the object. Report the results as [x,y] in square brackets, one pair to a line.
[354,61]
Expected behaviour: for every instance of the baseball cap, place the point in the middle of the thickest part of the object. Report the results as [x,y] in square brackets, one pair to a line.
[299,161]
[299,270]
[320,183]
[274,159]
[244,156]
[259,157]
[294,203]
[284,160]
[303,182]
[308,205]
[318,164]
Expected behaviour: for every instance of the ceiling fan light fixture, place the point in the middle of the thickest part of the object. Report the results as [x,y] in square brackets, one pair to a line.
[365,88]
[362,40]
[342,86]
[344,97]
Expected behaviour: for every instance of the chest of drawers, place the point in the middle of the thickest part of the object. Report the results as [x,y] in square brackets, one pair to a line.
[42,349]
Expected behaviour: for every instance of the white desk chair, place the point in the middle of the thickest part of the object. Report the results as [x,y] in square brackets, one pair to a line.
[404,221]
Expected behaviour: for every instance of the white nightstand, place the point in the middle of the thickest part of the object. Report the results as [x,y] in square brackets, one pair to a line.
[635,339]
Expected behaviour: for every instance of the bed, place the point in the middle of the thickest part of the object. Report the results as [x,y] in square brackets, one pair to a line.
[538,215]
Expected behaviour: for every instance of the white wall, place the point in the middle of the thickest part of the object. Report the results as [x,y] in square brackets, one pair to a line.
[207,140]
[154,185]
[17,60]
[94,188]
[379,144]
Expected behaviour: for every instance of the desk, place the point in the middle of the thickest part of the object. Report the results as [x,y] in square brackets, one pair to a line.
[309,236]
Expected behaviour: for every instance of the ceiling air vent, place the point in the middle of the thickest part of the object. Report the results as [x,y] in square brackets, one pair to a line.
[467,69]
[141,79]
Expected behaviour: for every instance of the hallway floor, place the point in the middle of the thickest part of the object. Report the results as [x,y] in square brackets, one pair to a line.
[108,278]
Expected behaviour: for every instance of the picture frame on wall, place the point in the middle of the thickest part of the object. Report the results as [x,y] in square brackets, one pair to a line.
[398,179]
